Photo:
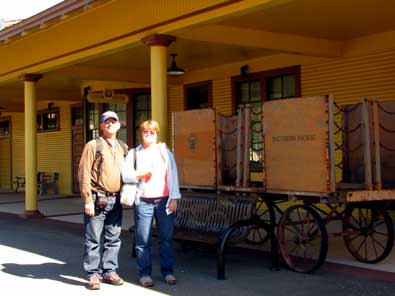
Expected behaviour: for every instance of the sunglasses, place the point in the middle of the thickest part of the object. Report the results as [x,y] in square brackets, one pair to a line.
[148,132]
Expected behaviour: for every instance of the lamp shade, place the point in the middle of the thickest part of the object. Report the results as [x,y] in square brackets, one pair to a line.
[173,69]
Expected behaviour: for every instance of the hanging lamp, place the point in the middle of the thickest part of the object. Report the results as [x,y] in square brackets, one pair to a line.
[173,69]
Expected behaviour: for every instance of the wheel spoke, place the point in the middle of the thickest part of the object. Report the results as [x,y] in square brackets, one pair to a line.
[292,250]
[376,242]
[257,233]
[361,244]
[374,247]
[356,236]
[382,233]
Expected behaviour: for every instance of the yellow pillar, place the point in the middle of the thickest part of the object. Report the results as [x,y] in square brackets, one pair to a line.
[31,202]
[158,51]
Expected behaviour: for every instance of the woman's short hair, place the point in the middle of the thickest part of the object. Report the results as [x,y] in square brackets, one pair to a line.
[151,125]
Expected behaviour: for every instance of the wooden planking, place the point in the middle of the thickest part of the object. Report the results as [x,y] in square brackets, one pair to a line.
[18,144]
[348,79]
[175,103]
[5,172]
[370,195]
[296,145]
[54,150]
[195,147]
[222,96]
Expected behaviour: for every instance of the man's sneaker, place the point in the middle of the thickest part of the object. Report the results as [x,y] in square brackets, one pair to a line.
[94,282]
[146,281]
[113,279]
[170,279]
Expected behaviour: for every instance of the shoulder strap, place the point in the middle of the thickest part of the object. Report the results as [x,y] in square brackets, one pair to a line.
[99,158]
[135,158]
[99,147]
[124,147]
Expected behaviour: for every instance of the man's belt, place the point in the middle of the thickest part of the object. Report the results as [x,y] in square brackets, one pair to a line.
[106,193]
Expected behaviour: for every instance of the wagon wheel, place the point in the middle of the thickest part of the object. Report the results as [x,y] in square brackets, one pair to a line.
[264,211]
[368,233]
[302,238]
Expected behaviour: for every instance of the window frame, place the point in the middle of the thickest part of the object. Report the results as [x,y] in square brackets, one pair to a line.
[42,113]
[263,76]
[207,83]
[6,119]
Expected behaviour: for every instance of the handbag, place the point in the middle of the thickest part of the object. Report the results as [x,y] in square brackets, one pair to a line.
[128,194]
[129,190]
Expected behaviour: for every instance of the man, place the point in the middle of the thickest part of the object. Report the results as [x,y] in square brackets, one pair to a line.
[100,182]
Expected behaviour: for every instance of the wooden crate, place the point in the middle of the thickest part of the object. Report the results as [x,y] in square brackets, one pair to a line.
[195,136]
[296,145]
[354,158]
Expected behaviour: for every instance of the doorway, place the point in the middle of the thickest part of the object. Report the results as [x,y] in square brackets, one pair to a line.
[77,141]
[5,153]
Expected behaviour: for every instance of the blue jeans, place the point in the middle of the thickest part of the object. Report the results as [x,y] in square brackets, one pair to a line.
[108,219]
[143,217]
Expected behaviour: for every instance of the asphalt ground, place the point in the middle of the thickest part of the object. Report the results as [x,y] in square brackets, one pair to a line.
[44,257]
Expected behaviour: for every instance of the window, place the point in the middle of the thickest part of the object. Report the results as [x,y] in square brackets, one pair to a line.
[120,109]
[92,120]
[249,94]
[48,120]
[281,87]
[141,113]
[5,127]
[198,95]
[256,88]
[77,116]
[93,117]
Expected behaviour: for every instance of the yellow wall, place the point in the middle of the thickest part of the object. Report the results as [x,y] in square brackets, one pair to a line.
[53,148]
[18,144]
[352,77]
[175,103]
[346,78]
[5,165]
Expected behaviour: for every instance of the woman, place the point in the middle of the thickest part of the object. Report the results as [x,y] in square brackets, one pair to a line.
[157,194]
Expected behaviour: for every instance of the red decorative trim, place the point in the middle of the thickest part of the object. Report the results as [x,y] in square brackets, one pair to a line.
[159,39]
[31,77]
[47,15]
[36,214]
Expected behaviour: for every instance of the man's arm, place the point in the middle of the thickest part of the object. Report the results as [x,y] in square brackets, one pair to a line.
[85,172]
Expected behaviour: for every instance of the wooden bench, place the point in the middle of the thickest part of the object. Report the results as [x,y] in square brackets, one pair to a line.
[19,182]
[218,221]
[45,181]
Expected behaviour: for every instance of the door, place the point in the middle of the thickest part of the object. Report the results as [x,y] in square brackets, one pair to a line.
[77,136]
[5,153]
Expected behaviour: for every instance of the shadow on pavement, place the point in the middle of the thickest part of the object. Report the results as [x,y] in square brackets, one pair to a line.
[51,271]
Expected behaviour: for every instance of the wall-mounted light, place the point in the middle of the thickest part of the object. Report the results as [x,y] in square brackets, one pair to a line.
[50,105]
[173,69]
[244,71]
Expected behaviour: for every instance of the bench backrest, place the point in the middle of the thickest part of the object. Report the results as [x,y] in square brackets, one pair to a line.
[213,213]
[46,177]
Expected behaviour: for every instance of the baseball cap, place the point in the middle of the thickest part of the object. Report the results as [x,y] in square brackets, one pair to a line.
[109,114]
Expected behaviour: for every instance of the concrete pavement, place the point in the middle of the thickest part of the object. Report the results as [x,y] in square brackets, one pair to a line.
[44,257]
